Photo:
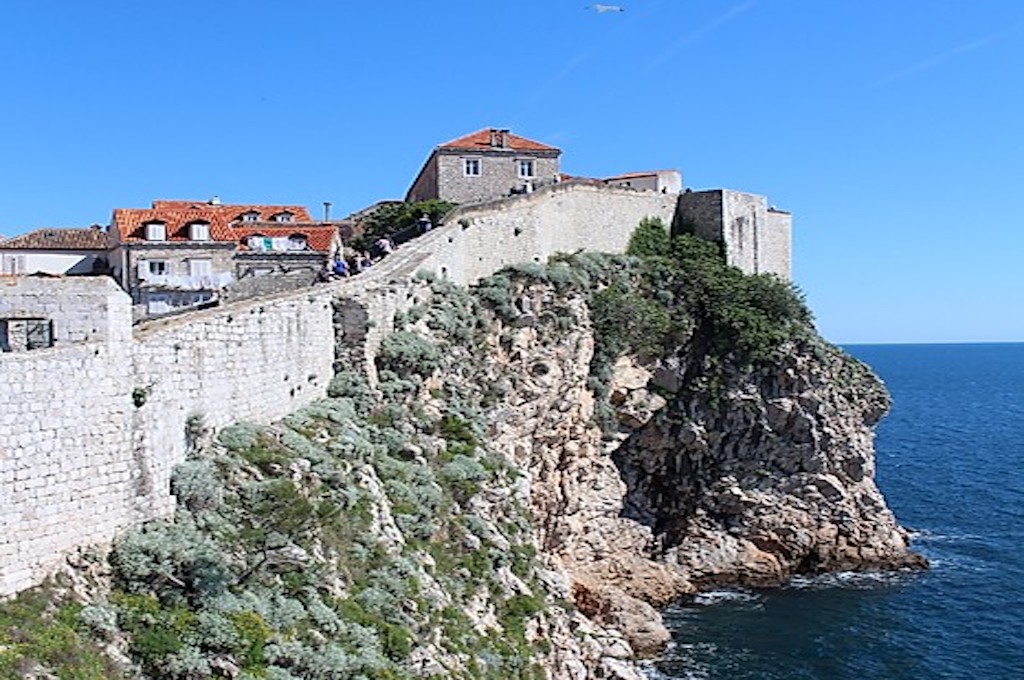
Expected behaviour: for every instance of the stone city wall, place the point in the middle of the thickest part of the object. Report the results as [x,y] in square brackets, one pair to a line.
[91,430]
[756,238]
[92,427]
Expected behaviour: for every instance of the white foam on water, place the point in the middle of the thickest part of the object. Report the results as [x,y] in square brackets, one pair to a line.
[855,580]
[715,597]
[926,536]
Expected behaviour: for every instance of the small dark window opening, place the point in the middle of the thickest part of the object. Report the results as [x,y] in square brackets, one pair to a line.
[19,335]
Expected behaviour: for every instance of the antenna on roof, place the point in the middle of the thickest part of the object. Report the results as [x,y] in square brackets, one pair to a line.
[215,200]
[327,211]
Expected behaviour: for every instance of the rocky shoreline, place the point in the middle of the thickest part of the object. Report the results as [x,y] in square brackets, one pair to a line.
[766,476]
[544,463]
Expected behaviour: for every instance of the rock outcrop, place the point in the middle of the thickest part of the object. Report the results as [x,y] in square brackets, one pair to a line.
[712,473]
[541,465]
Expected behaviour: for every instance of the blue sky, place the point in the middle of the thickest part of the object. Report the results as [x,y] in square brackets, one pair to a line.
[894,130]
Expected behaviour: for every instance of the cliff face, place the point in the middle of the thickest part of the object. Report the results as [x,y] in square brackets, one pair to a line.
[708,471]
[545,461]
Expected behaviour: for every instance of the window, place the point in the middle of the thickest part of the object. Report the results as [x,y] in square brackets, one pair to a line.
[25,334]
[157,267]
[156,231]
[251,216]
[260,242]
[525,168]
[297,242]
[200,267]
[471,167]
[199,231]
[158,303]
[13,264]
[284,217]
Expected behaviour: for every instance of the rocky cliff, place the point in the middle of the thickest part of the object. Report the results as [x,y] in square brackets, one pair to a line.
[545,460]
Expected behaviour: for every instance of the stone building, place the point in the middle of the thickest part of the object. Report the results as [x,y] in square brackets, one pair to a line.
[662,181]
[55,251]
[756,237]
[180,254]
[485,165]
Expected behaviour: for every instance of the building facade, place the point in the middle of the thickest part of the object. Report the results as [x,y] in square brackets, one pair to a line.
[72,252]
[662,181]
[485,165]
[181,254]
[756,237]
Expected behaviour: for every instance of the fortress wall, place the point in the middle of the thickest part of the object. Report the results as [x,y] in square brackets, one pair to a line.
[477,241]
[91,428]
[81,308]
[776,244]
[743,216]
[756,239]
[66,470]
[257,361]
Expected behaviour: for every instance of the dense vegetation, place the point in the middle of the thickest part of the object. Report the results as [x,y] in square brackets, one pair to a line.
[373,533]
[388,219]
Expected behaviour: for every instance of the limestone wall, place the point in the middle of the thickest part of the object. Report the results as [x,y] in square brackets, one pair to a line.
[755,237]
[91,428]
[478,240]
[81,308]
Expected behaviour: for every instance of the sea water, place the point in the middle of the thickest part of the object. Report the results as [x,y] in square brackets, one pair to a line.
[950,459]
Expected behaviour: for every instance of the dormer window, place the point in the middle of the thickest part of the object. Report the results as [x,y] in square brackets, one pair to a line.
[298,242]
[156,231]
[284,217]
[251,216]
[259,242]
[199,231]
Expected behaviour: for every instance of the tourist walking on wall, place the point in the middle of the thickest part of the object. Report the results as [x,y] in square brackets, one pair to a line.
[341,267]
[385,245]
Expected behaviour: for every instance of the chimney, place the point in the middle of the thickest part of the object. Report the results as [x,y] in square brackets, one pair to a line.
[495,142]
[503,138]
[214,201]
[327,211]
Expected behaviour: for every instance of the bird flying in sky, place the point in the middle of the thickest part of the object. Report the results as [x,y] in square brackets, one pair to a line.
[601,9]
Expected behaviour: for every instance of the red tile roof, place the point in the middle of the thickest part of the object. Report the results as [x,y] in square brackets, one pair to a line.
[481,140]
[58,239]
[226,222]
[319,237]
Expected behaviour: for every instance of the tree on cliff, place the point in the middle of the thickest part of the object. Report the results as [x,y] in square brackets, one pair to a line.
[390,218]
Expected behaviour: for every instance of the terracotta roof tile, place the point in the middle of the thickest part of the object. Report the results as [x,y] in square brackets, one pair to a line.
[319,236]
[482,140]
[58,239]
[226,222]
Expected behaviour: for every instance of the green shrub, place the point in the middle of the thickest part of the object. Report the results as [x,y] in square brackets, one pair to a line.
[38,629]
[649,239]
[406,353]
[197,485]
[172,559]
